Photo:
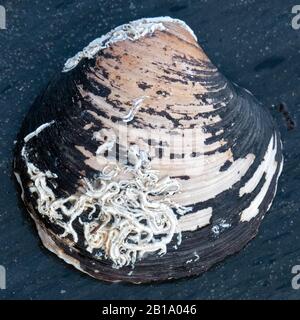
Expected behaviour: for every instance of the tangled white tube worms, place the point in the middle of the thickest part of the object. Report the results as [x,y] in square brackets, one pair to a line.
[130,31]
[133,216]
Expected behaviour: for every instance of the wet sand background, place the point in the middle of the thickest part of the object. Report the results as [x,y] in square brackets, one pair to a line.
[254,45]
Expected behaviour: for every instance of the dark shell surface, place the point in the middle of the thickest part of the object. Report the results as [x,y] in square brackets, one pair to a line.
[141,162]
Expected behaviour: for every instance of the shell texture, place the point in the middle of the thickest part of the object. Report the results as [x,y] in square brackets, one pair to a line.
[141,162]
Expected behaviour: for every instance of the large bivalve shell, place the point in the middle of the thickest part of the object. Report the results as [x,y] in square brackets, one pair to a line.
[142,162]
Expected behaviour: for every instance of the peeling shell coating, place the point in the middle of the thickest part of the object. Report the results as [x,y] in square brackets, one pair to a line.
[141,162]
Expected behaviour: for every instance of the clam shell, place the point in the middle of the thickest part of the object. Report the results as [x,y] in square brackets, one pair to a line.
[142,162]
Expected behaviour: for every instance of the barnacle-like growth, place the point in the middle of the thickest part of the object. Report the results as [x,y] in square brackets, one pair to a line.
[125,218]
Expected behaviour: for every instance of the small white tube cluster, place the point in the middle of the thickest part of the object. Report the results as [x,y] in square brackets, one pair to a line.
[131,31]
